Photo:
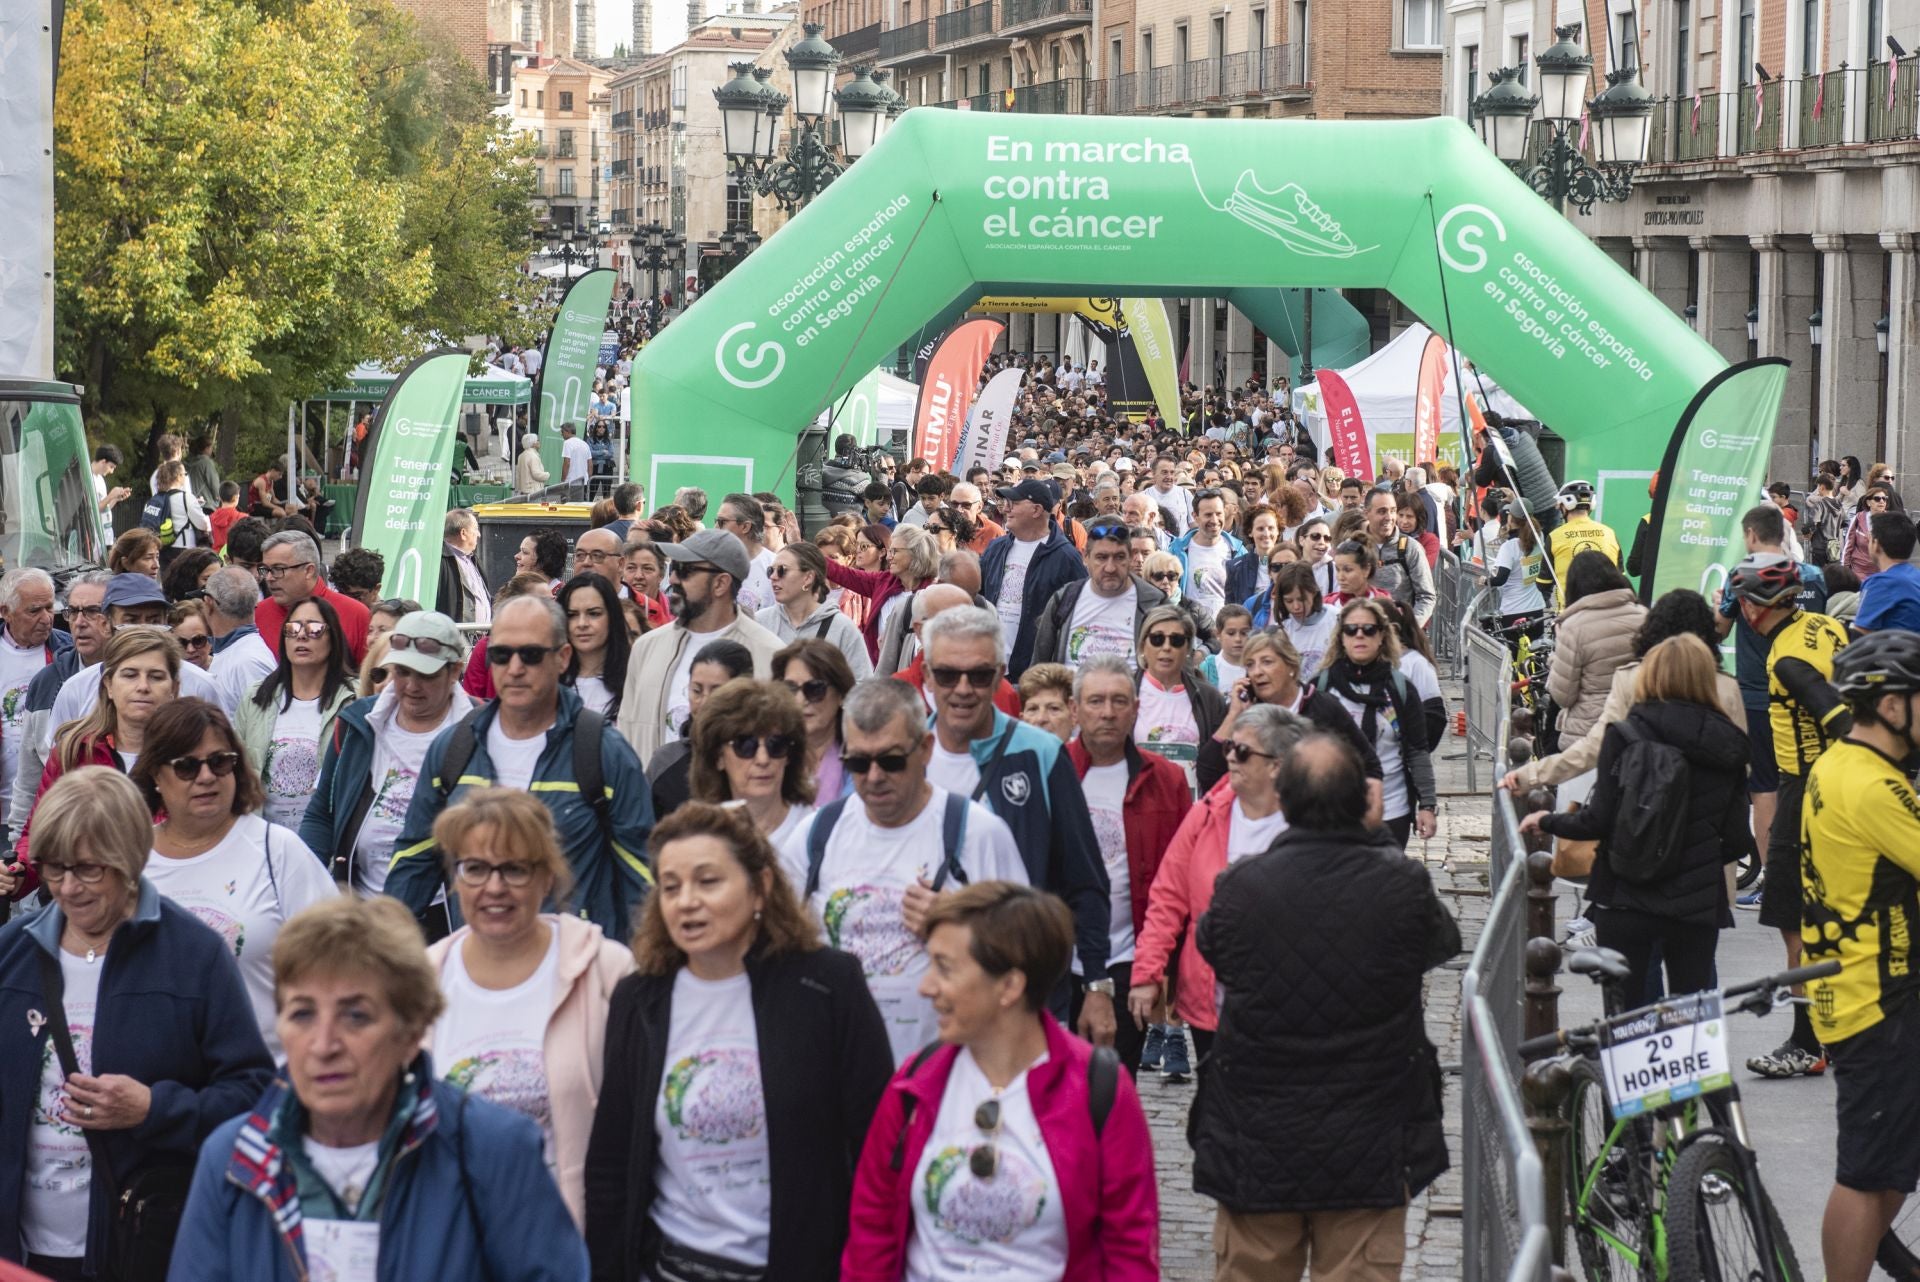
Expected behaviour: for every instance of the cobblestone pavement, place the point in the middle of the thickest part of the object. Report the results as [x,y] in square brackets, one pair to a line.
[1457,858]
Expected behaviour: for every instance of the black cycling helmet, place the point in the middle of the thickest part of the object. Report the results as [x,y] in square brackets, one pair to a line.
[1878,663]
[1765,578]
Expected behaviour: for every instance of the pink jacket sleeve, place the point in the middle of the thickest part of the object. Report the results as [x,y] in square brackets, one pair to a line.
[876,1245]
[1129,1195]
[1168,906]
[872,584]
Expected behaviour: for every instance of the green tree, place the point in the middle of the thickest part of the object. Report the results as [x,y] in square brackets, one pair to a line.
[252,197]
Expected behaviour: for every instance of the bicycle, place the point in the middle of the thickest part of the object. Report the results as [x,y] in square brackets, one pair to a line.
[1657,1192]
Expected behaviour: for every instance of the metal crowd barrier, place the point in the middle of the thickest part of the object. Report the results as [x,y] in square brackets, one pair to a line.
[1504,1210]
[1446,613]
[1488,666]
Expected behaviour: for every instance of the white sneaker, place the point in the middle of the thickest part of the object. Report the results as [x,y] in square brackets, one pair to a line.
[1580,934]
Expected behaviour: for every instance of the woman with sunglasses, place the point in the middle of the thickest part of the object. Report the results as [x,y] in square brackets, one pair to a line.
[213,854]
[1315,541]
[950,528]
[188,622]
[750,749]
[743,1063]
[818,675]
[1011,1148]
[1179,711]
[806,604]
[287,716]
[139,674]
[1247,574]
[382,615]
[1156,569]
[1858,554]
[597,631]
[527,990]
[1362,673]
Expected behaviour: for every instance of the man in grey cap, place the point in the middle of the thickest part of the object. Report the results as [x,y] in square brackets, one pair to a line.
[131,600]
[704,575]
[372,762]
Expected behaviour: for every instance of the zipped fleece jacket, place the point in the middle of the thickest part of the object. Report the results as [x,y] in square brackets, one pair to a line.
[573,1049]
[1055,564]
[608,883]
[173,1014]
[1028,780]
[643,704]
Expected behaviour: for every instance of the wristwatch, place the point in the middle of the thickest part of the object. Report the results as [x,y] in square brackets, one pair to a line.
[1104,987]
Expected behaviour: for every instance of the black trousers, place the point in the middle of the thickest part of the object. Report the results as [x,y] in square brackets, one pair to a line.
[1685,948]
[1401,828]
[1128,1038]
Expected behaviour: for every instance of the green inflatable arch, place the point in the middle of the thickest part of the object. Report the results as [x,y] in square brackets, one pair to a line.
[953,205]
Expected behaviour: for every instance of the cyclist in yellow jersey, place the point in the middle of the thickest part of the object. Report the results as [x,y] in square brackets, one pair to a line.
[1577,533]
[1805,713]
[1862,881]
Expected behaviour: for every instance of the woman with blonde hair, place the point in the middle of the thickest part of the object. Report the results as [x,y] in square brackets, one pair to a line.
[1677,914]
[525,1023]
[135,552]
[744,1062]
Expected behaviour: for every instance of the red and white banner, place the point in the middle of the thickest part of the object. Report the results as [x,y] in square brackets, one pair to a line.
[1345,432]
[946,393]
[1427,391]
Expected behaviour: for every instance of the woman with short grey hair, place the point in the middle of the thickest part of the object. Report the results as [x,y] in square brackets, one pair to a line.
[912,559]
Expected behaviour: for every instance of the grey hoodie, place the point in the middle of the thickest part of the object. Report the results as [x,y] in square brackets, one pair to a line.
[839,633]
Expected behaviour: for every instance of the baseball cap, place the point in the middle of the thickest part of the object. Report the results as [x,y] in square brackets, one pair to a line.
[1058,456]
[133,589]
[714,547]
[1123,465]
[449,646]
[1025,492]
[1010,461]
[1065,472]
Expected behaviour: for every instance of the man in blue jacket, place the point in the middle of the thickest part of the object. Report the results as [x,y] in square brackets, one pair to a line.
[1204,552]
[1022,774]
[524,739]
[1022,569]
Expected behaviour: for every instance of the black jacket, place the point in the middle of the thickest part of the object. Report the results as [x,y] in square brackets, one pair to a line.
[1050,638]
[1322,1092]
[455,601]
[1717,831]
[824,1062]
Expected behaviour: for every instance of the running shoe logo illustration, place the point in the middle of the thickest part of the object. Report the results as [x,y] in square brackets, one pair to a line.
[1291,217]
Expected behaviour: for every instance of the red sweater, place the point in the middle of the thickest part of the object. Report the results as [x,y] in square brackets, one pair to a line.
[1157,800]
[270,618]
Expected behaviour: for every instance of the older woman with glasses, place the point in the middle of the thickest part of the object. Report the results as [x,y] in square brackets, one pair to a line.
[1179,711]
[286,717]
[525,1023]
[1155,569]
[806,604]
[212,854]
[1362,672]
[913,558]
[819,676]
[134,1036]
[749,748]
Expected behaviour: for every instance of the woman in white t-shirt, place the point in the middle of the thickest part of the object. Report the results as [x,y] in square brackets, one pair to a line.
[1179,710]
[743,1064]
[527,992]
[1013,1148]
[213,855]
[288,714]
[750,749]
[598,634]
[1517,570]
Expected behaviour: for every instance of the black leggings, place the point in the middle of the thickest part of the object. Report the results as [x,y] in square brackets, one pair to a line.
[1686,949]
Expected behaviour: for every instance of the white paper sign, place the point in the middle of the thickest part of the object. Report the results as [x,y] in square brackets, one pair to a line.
[342,1250]
[1666,1053]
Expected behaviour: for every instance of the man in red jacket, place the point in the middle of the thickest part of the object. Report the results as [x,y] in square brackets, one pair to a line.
[1137,800]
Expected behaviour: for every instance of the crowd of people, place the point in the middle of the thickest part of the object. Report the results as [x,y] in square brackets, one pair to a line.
[708,901]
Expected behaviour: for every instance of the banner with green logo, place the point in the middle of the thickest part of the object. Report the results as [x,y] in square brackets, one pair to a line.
[1713,472]
[402,502]
[572,354]
[956,205]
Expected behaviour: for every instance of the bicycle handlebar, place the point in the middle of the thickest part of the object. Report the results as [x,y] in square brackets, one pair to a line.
[1589,1035]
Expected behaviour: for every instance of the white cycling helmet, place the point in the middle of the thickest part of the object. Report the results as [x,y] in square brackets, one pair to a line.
[1576,494]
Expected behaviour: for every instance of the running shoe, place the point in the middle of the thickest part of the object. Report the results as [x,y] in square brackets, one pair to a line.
[1750,900]
[1175,1063]
[1155,1047]
[1580,934]
[1788,1060]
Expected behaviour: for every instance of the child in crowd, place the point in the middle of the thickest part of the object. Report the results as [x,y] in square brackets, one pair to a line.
[1234,624]
[221,519]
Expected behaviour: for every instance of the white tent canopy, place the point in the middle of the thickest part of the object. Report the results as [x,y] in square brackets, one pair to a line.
[1384,385]
[891,414]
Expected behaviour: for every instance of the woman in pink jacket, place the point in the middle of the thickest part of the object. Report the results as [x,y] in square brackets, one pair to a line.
[527,992]
[1240,817]
[1010,1145]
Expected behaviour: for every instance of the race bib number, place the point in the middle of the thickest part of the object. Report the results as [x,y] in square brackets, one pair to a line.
[1666,1053]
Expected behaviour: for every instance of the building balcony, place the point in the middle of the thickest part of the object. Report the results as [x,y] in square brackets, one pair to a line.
[858,43]
[906,44]
[1833,112]
[541,151]
[1275,72]
[567,151]
[621,168]
[1037,17]
[966,28]
[1054,98]
[622,120]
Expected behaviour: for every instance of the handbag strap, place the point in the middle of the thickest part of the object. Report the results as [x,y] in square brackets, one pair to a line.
[55,986]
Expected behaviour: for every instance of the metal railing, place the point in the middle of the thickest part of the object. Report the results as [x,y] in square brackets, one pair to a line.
[1823,109]
[860,40]
[901,41]
[970,23]
[1489,683]
[1018,13]
[1758,122]
[1896,115]
[1272,72]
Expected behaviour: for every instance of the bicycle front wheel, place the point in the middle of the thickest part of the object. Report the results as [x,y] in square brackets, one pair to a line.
[1605,1204]
[1715,1208]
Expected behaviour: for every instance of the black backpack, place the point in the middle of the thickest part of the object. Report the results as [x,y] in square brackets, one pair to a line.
[157,516]
[587,728]
[1649,828]
[953,834]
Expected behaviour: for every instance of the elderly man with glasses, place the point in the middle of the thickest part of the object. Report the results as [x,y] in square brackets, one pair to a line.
[290,568]
[37,657]
[600,552]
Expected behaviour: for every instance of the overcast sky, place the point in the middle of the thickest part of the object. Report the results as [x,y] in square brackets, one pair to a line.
[614,24]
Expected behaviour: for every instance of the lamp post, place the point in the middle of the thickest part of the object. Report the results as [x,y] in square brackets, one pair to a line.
[1621,117]
[752,110]
[563,248]
[654,248]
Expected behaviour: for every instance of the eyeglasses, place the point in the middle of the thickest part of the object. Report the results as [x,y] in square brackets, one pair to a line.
[86,612]
[859,763]
[312,629]
[585,554]
[478,872]
[88,874]
[1165,576]
[1359,629]
[500,656]
[812,691]
[275,571]
[938,529]
[1876,498]
[425,645]
[1177,640]
[1239,753]
[1274,567]
[978,678]
[187,769]
[680,571]
[779,572]
[984,1161]
[967,505]
[195,643]
[747,746]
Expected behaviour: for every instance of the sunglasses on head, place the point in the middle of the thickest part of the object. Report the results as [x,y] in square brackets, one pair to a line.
[187,769]
[812,691]
[747,746]
[978,678]
[500,656]
[1360,629]
[1178,640]
[425,645]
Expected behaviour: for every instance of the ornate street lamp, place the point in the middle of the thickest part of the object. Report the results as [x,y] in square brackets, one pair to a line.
[561,246]
[655,248]
[867,110]
[1505,116]
[865,114]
